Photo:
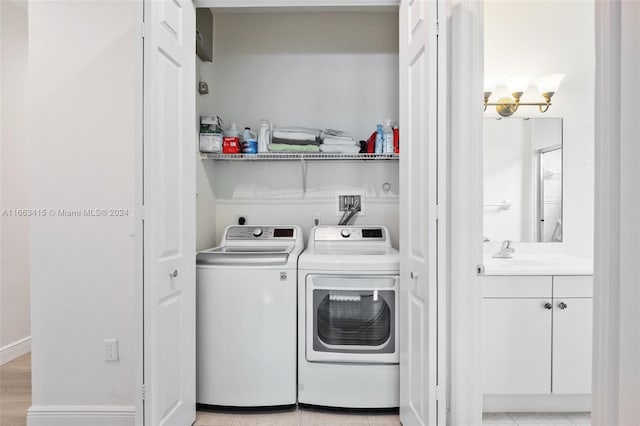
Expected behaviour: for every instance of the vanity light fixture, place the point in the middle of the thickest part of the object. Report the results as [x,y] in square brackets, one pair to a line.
[547,86]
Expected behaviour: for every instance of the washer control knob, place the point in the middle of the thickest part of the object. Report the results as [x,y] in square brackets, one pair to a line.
[257,232]
[345,233]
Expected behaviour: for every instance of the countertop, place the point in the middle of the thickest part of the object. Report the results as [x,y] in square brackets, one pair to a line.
[537,264]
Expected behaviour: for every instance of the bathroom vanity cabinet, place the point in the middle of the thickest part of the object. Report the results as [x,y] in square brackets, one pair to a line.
[537,335]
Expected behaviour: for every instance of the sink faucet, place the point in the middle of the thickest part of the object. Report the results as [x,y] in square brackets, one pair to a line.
[505,251]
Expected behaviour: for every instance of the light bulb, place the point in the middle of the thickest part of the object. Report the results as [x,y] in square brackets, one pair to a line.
[549,83]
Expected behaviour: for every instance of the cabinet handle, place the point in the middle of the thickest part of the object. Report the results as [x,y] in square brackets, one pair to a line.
[548,305]
[174,273]
[562,305]
[413,276]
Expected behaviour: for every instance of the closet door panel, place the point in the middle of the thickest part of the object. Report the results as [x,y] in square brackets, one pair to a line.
[418,208]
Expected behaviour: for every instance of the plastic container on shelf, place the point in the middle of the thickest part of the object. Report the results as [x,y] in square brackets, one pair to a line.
[379,147]
[232,131]
[396,139]
[248,134]
[230,145]
[264,135]
[387,137]
[249,142]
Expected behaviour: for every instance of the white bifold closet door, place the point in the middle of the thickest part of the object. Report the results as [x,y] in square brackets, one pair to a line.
[169,212]
[418,208]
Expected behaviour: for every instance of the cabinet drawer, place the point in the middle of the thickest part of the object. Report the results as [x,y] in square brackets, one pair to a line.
[516,286]
[573,286]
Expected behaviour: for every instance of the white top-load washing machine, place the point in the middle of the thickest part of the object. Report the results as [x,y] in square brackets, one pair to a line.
[246,317]
[348,352]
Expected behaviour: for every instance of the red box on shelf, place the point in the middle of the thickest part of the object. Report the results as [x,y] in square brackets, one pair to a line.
[230,145]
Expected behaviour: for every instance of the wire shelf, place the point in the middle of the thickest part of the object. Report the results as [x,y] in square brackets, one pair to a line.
[289,156]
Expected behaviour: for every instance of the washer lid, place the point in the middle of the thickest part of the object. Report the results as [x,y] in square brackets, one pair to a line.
[245,255]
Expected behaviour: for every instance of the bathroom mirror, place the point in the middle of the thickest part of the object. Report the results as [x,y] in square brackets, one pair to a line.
[523,179]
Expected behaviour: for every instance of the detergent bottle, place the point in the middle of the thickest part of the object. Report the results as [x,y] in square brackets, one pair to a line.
[387,137]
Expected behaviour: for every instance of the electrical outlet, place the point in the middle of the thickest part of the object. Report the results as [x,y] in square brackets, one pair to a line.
[346,202]
[111,350]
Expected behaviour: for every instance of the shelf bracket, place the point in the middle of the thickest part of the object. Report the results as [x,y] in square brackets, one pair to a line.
[304,167]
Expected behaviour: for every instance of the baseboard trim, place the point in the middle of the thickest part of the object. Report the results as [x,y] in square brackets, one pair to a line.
[536,403]
[14,350]
[66,415]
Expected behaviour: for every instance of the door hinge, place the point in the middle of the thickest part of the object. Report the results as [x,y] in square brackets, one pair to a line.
[437,393]
[143,392]
[436,212]
[437,27]
[142,29]
[141,212]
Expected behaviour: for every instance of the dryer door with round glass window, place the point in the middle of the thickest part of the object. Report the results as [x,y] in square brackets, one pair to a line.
[351,318]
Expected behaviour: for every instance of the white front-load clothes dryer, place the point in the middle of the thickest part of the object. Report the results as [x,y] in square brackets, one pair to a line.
[348,354]
[246,318]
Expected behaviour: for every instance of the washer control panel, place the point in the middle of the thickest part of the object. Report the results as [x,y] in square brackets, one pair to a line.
[346,233]
[261,232]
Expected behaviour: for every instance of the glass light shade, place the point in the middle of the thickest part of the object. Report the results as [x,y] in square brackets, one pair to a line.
[518,84]
[549,83]
[490,84]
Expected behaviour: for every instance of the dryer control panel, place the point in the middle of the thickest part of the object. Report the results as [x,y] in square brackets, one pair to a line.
[261,232]
[342,233]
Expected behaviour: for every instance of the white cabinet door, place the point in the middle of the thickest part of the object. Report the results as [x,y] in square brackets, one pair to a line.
[516,346]
[169,203]
[572,341]
[418,225]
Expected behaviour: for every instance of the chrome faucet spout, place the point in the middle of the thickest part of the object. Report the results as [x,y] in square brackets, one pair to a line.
[506,251]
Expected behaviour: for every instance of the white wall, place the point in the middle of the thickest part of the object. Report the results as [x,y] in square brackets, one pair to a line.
[15,325]
[544,37]
[84,91]
[271,193]
[324,70]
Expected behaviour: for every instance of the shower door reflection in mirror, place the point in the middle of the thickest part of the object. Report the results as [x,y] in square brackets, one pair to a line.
[523,179]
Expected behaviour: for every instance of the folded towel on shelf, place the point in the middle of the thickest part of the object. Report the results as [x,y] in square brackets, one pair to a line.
[338,141]
[344,149]
[296,133]
[335,134]
[287,141]
[282,147]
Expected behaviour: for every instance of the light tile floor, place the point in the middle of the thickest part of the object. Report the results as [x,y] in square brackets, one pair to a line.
[306,417]
[527,419]
[295,417]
